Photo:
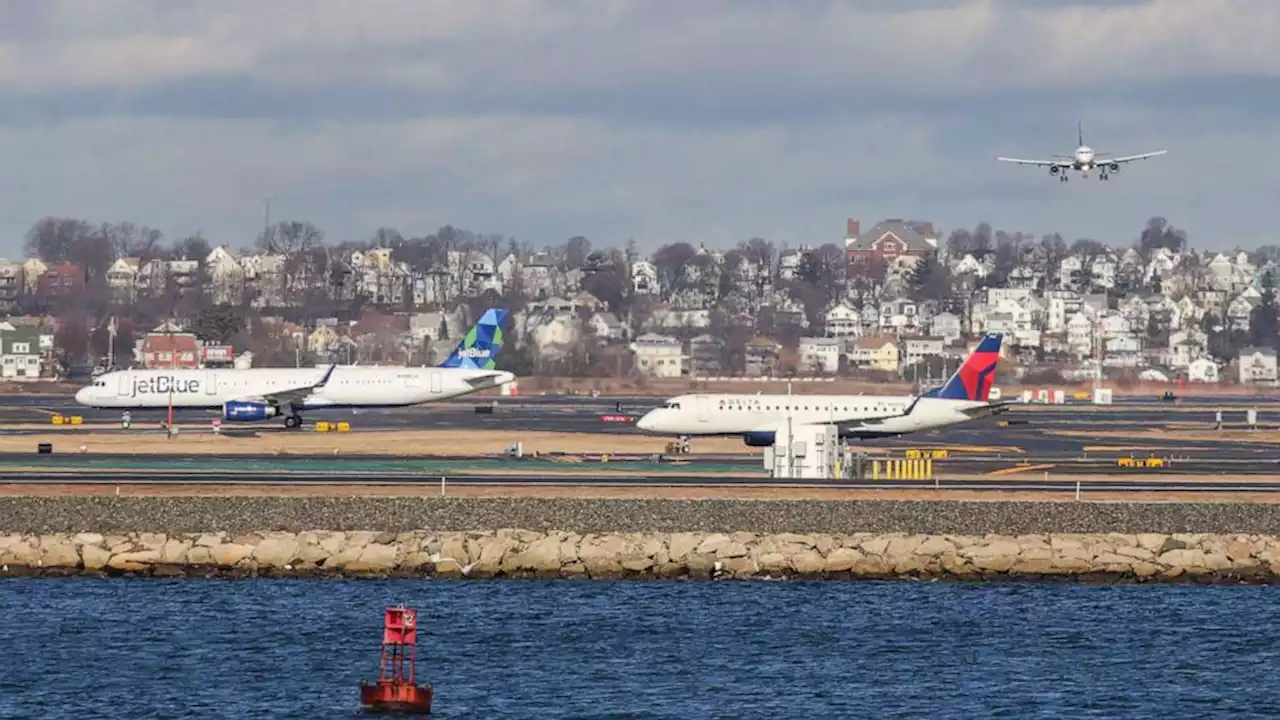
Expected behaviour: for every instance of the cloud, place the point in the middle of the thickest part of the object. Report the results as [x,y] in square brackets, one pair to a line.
[710,121]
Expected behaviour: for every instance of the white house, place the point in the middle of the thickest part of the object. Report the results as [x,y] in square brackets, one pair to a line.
[659,356]
[1203,370]
[843,321]
[819,355]
[1257,365]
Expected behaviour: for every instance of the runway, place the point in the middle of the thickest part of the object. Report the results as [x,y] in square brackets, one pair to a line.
[1231,486]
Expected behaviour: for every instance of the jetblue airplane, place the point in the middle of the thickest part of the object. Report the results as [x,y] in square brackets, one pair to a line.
[757,418]
[260,393]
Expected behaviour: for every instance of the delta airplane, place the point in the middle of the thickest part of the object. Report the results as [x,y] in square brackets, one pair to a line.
[1083,160]
[757,418]
[260,393]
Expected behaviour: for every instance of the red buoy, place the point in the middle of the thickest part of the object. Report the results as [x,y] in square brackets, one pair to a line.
[395,691]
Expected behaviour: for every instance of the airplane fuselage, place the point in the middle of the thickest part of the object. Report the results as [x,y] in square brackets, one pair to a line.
[705,414]
[351,386]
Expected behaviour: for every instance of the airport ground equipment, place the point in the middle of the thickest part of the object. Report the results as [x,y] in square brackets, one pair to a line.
[804,451]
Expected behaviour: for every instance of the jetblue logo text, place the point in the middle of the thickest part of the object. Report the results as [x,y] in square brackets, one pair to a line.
[474,352]
[164,384]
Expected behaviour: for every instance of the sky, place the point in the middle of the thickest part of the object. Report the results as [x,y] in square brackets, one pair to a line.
[655,120]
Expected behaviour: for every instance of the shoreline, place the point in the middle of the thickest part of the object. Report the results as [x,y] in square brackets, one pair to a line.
[525,554]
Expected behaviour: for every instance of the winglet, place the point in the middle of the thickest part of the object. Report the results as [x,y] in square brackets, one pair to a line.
[973,380]
[328,373]
[479,348]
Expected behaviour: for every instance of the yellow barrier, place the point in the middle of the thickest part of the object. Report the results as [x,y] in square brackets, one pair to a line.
[917,469]
[322,427]
[912,453]
[1151,462]
[76,420]
[344,426]
[918,454]
[57,419]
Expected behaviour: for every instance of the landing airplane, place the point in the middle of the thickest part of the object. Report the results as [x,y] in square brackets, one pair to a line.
[757,418]
[1083,160]
[260,393]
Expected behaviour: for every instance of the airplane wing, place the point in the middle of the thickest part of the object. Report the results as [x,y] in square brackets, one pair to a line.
[1042,163]
[1131,158]
[292,395]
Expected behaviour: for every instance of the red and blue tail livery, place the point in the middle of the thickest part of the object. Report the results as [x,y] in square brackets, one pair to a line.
[975,377]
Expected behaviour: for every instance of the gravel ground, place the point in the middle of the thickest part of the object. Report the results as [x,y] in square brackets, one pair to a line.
[397,514]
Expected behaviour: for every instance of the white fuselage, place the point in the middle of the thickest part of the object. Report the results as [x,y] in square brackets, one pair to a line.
[701,414]
[350,386]
[1084,157]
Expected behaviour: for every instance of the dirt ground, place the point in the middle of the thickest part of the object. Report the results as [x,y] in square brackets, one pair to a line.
[628,492]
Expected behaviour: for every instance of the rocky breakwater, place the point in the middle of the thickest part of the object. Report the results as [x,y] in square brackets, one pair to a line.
[744,555]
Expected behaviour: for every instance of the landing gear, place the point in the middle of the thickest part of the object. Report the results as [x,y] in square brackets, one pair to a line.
[293,422]
[1062,177]
[1102,176]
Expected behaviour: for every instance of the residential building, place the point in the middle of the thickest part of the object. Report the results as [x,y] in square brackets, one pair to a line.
[890,239]
[705,356]
[1257,365]
[658,356]
[61,279]
[842,321]
[761,357]
[168,346]
[20,352]
[819,355]
[875,352]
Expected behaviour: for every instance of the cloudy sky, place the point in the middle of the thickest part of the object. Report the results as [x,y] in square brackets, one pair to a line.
[709,121]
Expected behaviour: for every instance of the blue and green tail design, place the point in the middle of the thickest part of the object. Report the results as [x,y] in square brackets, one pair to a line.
[479,347]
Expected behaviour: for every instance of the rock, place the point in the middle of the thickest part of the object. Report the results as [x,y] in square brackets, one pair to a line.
[712,544]
[199,555]
[875,546]
[174,552]
[415,560]
[1169,544]
[542,555]
[455,548]
[872,565]
[492,553]
[1137,553]
[744,538]
[637,564]
[335,543]
[134,561]
[230,554]
[794,539]
[1181,558]
[934,546]
[58,552]
[1152,542]
[681,544]
[152,541]
[842,560]
[374,557]
[88,539]
[774,562]
[95,557]
[1215,562]
[210,540]
[808,562]
[1240,550]
[732,550]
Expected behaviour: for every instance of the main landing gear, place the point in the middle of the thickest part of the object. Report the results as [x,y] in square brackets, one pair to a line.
[293,422]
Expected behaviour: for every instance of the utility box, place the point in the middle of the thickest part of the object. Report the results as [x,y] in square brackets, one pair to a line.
[1102,396]
[807,452]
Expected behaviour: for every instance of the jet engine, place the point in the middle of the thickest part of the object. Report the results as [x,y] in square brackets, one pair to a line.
[1115,167]
[758,439]
[240,411]
[1053,169]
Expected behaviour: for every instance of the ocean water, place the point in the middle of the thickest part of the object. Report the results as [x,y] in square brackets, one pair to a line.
[83,648]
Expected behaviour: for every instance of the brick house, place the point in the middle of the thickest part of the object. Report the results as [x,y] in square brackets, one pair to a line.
[889,239]
[60,279]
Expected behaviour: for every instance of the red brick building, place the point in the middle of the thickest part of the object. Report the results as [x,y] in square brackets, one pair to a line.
[889,239]
[61,279]
[170,350]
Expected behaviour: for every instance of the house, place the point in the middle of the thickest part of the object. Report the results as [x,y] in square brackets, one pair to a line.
[921,349]
[889,240]
[705,353]
[20,352]
[1203,370]
[946,326]
[122,278]
[606,327]
[225,276]
[169,347]
[1257,365]
[819,355]
[12,284]
[875,352]
[842,321]
[61,279]
[760,357]
[658,356]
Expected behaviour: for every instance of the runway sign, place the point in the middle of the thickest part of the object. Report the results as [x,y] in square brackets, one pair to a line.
[617,418]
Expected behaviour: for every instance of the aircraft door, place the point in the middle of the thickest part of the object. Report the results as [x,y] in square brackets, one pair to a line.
[435,381]
[211,383]
[703,404]
[122,385]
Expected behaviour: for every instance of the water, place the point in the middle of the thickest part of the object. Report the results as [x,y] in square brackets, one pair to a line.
[82,648]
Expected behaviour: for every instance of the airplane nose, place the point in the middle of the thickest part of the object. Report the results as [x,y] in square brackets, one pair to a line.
[645,422]
[82,396]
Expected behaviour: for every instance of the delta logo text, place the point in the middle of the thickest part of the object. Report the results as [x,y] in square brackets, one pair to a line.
[163,385]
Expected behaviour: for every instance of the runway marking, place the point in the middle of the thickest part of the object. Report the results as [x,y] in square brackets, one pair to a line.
[1020,468]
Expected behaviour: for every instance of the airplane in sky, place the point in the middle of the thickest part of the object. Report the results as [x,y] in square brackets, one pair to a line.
[1083,160]
[757,418]
[259,393]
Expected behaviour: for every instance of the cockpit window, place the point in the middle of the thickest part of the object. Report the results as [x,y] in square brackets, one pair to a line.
[672,406]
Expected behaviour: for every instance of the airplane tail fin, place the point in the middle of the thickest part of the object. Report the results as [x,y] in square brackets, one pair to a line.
[479,348]
[1080,133]
[973,380]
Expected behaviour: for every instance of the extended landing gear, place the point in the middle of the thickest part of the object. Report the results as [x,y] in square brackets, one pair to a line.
[1102,176]
[1062,177]
[293,422]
